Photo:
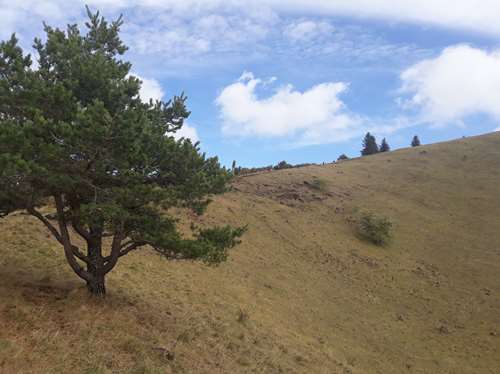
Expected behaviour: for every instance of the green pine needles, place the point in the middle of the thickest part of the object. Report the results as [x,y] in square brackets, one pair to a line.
[75,132]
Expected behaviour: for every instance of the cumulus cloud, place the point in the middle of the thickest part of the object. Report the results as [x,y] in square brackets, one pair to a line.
[461,81]
[316,115]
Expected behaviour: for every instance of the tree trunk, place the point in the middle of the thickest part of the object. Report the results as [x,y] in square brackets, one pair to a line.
[96,284]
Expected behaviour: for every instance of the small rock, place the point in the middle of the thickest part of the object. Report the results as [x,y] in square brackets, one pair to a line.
[443,330]
[165,353]
[486,291]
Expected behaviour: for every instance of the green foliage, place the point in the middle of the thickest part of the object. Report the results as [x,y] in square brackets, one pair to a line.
[210,244]
[374,228]
[384,146]
[415,142]
[370,146]
[342,157]
[318,184]
[75,130]
[283,165]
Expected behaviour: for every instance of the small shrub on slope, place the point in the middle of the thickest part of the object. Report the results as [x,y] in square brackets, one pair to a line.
[318,184]
[374,228]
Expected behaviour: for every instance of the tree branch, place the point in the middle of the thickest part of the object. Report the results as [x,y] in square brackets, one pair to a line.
[66,241]
[31,210]
[76,251]
[77,226]
[112,259]
[131,246]
[127,243]
[79,229]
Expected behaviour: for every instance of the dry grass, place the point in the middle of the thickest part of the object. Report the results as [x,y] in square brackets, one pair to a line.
[302,294]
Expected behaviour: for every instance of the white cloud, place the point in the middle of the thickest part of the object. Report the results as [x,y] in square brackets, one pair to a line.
[187,131]
[17,16]
[184,37]
[461,81]
[150,89]
[307,29]
[316,115]
[180,36]
[481,16]
[46,9]
[497,129]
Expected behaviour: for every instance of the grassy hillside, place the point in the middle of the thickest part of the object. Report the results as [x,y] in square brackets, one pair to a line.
[302,294]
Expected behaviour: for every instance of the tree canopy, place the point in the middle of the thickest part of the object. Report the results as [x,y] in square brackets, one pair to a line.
[415,142]
[342,157]
[75,134]
[370,146]
[384,146]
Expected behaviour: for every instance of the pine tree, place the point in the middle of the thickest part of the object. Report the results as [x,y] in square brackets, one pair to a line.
[75,132]
[283,165]
[384,146]
[370,146]
[342,157]
[415,141]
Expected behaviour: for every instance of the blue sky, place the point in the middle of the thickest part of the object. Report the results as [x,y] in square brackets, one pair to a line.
[303,80]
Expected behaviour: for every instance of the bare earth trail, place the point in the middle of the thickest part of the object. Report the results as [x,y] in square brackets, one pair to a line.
[301,294]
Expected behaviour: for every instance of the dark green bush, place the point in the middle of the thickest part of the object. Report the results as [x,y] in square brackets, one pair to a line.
[283,165]
[374,228]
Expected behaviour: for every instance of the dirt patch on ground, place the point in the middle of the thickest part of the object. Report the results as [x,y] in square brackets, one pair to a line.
[293,194]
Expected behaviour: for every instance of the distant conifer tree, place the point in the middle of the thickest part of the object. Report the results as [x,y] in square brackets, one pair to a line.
[415,141]
[370,146]
[384,146]
[283,165]
[342,157]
